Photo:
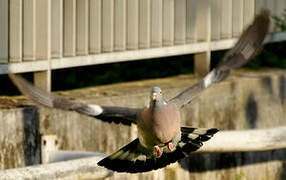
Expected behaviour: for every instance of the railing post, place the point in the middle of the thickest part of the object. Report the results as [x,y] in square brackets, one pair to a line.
[42,79]
[202,60]
[49,144]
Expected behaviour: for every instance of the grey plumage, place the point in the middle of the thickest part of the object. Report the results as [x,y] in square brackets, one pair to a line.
[248,45]
[161,140]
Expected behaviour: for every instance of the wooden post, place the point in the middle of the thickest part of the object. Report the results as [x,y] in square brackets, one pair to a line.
[4,31]
[15,31]
[43,40]
[29,30]
[202,60]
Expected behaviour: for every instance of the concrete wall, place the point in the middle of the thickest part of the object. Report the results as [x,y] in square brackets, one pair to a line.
[246,100]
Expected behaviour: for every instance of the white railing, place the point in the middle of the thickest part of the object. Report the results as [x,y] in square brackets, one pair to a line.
[41,35]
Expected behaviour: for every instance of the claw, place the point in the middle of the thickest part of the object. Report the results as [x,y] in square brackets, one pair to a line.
[170,146]
[158,151]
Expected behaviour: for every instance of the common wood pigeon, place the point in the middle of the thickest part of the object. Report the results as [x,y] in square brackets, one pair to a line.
[161,140]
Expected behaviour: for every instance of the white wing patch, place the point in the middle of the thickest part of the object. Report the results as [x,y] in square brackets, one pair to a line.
[208,79]
[97,110]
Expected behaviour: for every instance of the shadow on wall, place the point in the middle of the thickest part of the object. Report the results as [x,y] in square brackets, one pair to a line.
[219,161]
[32,137]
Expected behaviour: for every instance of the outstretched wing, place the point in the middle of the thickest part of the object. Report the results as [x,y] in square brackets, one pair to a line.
[134,158]
[248,45]
[106,113]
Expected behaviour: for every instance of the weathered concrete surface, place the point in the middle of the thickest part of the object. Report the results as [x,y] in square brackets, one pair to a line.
[85,168]
[246,100]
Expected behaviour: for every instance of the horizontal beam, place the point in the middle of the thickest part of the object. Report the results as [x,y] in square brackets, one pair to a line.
[85,168]
[246,140]
[68,62]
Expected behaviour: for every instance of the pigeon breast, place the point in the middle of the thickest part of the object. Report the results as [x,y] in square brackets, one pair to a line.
[159,125]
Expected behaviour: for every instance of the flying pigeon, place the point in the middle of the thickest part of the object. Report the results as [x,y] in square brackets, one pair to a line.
[161,140]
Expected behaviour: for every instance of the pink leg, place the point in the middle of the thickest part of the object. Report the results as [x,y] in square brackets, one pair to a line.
[158,151]
[170,146]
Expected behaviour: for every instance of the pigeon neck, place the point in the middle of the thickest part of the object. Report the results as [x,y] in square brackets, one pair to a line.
[156,104]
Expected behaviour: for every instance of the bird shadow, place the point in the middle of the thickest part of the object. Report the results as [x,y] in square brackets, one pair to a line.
[218,161]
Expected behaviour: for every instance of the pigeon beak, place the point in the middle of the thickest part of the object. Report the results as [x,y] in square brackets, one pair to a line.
[154,96]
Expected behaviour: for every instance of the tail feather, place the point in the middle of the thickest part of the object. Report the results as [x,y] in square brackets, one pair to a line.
[134,158]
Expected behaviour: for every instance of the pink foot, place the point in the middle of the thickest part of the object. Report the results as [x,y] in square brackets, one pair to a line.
[170,146]
[158,151]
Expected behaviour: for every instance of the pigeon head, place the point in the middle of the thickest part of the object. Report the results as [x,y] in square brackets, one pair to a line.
[156,97]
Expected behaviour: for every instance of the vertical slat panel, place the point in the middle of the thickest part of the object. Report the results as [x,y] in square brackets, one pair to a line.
[280,6]
[94,26]
[226,18]
[180,21]
[132,24]
[271,6]
[43,41]
[237,17]
[82,27]
[191,29]
[156,23]
[144,24]
[120,25]
[215,19]
[168,22]
[15,31]
[249,12]
[69,27]
[258,5]
[202,60]
[43,29]
[57,28]
[107,25]
[202,20]
[29,30]
[4,29]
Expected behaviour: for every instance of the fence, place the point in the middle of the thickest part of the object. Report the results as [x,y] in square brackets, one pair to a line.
[41,35]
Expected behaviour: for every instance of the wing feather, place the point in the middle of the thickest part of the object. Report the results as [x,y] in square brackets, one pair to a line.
[248,45]
[123,115]
[141,159]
